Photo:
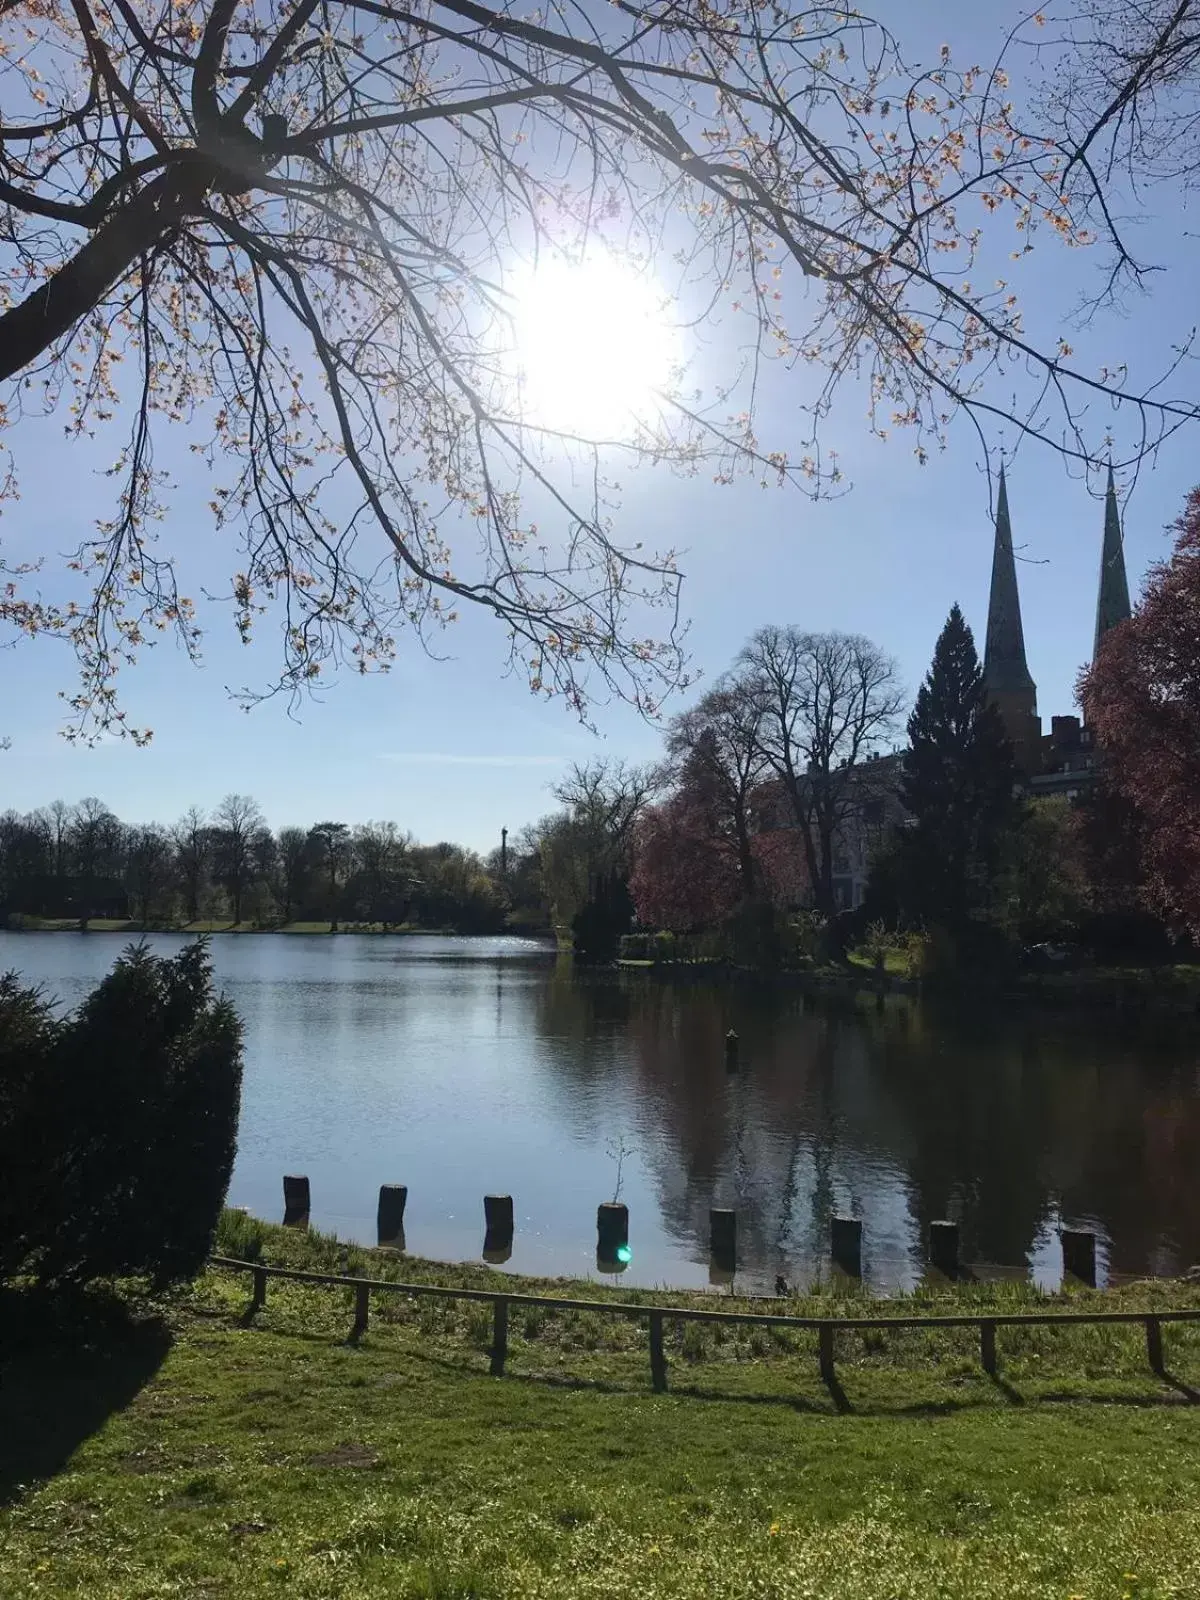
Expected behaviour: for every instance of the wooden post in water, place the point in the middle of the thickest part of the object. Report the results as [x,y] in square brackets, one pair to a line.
[943,1247]
[393,1197]
[499,1228]
[722,1239]
[297,1199]
[846,1242]
[732,1047]
[612,1236]
[1079,1255]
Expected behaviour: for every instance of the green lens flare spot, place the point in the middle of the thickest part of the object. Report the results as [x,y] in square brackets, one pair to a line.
[624,1253]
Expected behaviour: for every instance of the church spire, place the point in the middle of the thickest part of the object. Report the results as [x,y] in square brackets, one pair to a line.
[1005,670]
[1112,603]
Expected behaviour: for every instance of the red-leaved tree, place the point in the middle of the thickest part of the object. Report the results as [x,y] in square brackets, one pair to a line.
[1142,698]
[687,875]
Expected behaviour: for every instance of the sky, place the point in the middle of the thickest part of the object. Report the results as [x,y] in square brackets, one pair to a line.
[451,748]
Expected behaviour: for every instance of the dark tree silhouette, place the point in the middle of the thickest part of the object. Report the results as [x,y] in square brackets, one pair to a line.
[825,703]
[957,787]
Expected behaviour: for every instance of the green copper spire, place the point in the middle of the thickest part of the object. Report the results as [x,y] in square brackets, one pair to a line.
[1112,604]
[1005,670]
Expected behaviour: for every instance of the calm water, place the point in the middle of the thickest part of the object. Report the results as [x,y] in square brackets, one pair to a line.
[464,1066]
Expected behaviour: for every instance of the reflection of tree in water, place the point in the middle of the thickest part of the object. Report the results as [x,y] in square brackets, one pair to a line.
[902,1117]
[1131,1148]
[975,1098]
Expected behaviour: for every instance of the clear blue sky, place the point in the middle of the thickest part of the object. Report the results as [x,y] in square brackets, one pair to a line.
[452,749]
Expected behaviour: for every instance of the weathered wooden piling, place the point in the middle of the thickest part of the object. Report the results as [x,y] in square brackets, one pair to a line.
[722,1238]
[732,1049]
[1079,1255]
[297,1200]
[612,1236]
[845,1237]
[499,1228]
[943,1247]
[393,1197]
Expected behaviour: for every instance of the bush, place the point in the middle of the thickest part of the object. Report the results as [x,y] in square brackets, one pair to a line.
[759,935]
[598,926]
[118,1126]
[653,947]
[978,950]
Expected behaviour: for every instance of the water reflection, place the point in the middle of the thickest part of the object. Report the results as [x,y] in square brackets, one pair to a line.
[469,1067]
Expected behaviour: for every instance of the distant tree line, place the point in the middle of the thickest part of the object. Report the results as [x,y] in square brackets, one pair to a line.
[82,862]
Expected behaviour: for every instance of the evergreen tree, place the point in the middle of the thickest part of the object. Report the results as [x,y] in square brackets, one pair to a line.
[957,787]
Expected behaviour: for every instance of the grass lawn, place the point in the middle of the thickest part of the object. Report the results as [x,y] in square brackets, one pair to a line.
[176,1449]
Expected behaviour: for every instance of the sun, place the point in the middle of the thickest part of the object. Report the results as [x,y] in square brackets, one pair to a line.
[595,346]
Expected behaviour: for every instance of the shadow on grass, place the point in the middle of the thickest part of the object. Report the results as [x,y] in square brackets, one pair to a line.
[1192,1396]
[66,1365]
[1013,1396]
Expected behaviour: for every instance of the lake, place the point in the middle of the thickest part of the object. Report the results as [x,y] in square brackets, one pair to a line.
[464,1066]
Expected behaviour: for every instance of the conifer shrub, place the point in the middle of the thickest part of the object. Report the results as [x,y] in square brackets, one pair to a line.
[118,1124]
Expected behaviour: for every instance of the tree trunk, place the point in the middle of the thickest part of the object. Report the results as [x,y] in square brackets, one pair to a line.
[825,900]
[58,305]
[745,856]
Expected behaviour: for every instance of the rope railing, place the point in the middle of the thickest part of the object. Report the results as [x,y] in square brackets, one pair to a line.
[986,1322]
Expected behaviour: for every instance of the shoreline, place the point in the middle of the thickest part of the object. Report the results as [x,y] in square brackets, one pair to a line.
[1165,991]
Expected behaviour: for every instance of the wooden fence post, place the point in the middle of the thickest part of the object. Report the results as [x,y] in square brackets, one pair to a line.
[987,1347]
[362,1308]
[825,1349]
[259,1298]
[499,1336]
[1154,1346]
[658,1359]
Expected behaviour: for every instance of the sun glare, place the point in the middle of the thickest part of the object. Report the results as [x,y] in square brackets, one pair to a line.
[595,347]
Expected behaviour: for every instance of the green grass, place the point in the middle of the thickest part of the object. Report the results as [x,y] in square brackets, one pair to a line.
[896,962]
[177,1450]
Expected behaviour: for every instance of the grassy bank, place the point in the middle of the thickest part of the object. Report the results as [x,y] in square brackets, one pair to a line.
[179,1449]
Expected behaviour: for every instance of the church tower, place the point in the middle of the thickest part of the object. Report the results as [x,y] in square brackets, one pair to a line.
[1006,676]
[1112,603]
